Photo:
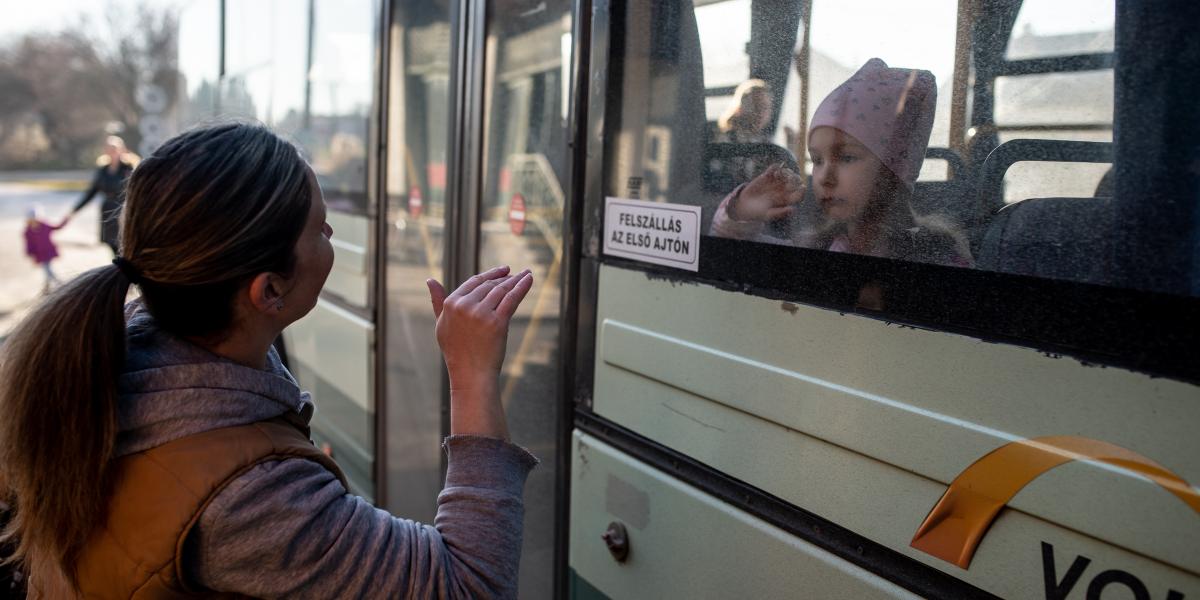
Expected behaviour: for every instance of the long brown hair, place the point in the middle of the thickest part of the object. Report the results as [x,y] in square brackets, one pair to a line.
[904,234]
[204,214]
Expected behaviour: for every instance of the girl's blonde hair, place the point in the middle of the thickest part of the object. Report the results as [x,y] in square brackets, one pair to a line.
[205,213]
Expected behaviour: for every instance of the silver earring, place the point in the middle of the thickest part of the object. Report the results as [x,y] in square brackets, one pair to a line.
[279,305]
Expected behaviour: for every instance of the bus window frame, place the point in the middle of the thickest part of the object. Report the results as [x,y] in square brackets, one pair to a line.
[1057,317]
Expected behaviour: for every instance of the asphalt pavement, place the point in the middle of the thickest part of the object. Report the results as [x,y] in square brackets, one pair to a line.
[79,247]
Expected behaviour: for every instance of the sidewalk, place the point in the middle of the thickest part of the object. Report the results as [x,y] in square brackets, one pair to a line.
[49,180]
[79,248]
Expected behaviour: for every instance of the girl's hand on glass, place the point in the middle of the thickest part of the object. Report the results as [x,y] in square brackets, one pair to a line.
[770,196]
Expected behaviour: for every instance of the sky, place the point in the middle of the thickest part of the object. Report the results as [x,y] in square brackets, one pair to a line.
[50,15]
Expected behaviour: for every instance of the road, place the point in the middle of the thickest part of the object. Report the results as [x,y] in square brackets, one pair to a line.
[78,245]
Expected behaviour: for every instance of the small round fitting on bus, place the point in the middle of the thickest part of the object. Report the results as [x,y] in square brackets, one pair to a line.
[617,540]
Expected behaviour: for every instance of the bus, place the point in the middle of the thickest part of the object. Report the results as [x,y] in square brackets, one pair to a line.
[721,417]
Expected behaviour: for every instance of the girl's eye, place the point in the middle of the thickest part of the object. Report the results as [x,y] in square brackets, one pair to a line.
[848,158]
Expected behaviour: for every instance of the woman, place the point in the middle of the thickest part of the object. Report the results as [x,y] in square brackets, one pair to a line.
[161,448]
[112,169]
[746,119]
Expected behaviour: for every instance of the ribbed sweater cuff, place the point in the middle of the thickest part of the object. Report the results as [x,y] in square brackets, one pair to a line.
[484,462]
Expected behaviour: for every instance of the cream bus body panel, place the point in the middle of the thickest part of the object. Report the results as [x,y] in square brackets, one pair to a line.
[687,544]
[882,418]
[349,276]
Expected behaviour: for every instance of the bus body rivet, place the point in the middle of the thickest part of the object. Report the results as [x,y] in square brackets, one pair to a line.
[617,540]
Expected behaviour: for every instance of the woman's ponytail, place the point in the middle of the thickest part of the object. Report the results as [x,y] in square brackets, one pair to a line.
[59,371]
[209,210]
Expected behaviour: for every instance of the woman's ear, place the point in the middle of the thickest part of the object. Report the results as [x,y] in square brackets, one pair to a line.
[266,293]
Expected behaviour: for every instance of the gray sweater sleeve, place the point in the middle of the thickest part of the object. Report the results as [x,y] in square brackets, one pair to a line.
[289,529]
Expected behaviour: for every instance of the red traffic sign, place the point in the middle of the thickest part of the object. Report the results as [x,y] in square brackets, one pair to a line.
[414,202]
[516,214]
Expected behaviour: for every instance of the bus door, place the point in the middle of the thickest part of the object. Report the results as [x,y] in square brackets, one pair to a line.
[416,231]
[475,177]
[770,414]
[526,59]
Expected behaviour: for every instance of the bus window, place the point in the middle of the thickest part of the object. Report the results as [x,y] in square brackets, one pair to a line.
[724,33]
[199,61]
[1056,106]
[337,100]
[773,85]
[729,89]
[520,224]
[847,34]
[264,71]
[415,211]
[1047,28]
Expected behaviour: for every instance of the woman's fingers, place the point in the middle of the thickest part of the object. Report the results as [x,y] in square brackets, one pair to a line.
[437,295]
[508,305]
[475,281]
[479,293]
[492,300]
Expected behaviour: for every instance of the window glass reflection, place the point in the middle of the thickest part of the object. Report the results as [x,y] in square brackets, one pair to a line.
[1061,28]
[762,114]
[265,62]
[521,212]
[415,211]
[199,61]
[338,98]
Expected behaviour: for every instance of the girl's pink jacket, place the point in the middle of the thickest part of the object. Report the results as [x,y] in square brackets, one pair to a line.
[38,244]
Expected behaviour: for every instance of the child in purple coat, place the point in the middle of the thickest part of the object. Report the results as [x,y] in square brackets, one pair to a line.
[38,245]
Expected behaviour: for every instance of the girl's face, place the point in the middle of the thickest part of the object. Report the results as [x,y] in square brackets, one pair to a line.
[314,257]
[845,174]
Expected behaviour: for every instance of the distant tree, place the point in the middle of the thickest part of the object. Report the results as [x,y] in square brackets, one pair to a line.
[78,84]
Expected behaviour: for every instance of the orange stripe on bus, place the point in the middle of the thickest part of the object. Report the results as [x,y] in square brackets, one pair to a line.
[961,518]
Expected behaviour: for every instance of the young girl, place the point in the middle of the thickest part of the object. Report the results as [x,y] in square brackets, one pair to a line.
[867,142]
[39,247]
[160,449]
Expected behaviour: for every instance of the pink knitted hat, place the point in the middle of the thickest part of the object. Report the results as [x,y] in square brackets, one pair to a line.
[890,111]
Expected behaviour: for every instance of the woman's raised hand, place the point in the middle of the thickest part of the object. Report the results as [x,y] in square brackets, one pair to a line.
[770,196]
[472,330]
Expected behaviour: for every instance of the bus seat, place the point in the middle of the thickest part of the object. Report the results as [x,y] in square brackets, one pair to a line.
[1058,238]
[1104,189]
[989,184]
[947,199]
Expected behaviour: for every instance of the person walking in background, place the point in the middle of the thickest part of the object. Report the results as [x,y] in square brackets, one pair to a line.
[161,449]
[112,169]
[38,245]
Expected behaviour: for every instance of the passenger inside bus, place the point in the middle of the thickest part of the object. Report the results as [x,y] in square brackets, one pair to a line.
[748,116]
[867,140]
[746,121]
